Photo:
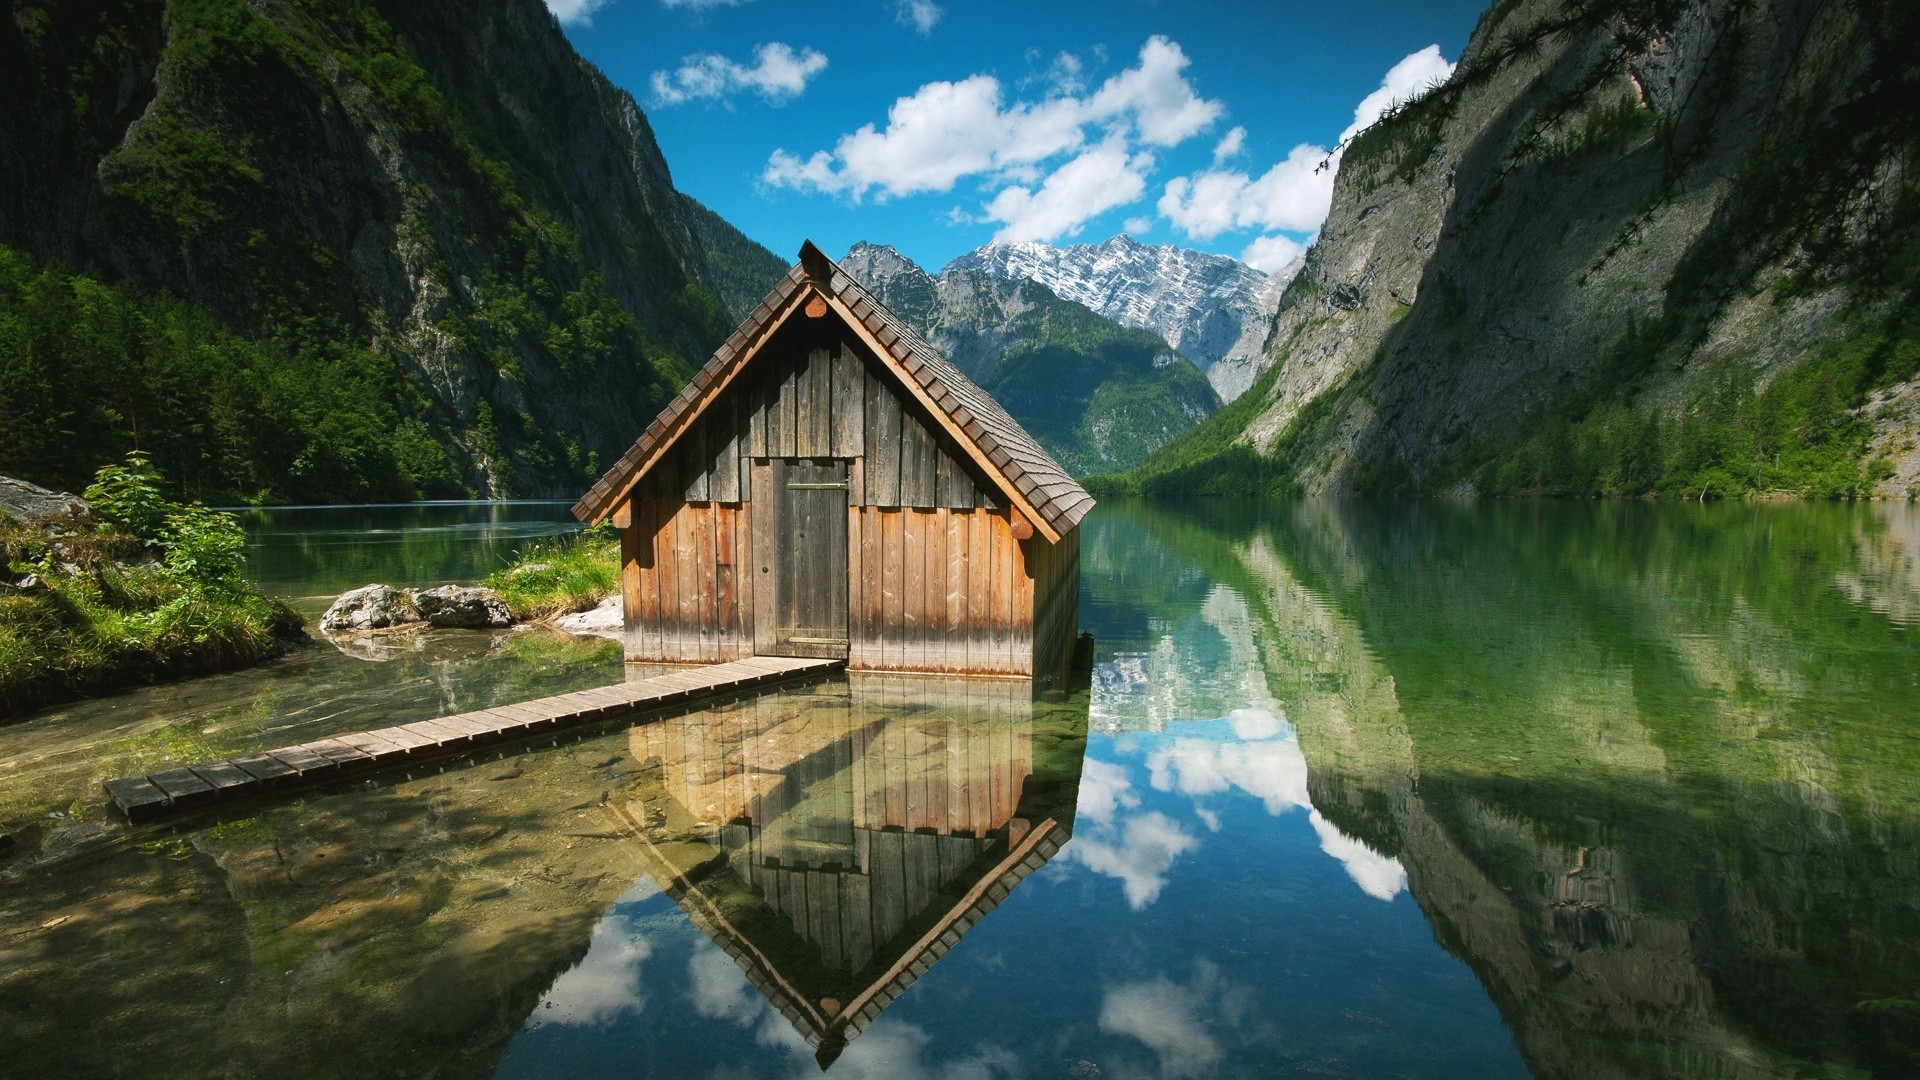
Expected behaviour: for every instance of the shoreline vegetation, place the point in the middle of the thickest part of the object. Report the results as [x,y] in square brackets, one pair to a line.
[556,578]
[127,589]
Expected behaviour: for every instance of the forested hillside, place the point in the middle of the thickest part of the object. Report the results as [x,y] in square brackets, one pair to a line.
[318,250]
[1631,247]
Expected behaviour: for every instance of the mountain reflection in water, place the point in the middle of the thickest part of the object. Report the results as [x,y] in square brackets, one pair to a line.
[1569,790]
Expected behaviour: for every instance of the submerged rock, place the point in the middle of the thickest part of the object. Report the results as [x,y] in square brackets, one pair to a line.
[371,607]
[461,607]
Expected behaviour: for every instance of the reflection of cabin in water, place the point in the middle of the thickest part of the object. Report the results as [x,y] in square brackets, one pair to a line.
[829,485]
[836,844]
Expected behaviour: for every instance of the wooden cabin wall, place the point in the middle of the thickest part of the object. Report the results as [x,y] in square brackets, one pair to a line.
[937,582]
[1056,625]
[939,591]
[686,583]
[810,397]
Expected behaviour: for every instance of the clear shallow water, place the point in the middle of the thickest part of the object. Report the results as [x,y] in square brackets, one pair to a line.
[326,550]
[1561,790]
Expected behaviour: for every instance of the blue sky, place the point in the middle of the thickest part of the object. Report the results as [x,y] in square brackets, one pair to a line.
[940,125]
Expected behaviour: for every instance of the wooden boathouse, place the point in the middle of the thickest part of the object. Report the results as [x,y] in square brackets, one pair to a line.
[828,485]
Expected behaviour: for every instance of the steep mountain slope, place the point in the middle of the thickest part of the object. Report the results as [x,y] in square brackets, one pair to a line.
[1215,310]
[1099,396]
[357,249]
[1631,246]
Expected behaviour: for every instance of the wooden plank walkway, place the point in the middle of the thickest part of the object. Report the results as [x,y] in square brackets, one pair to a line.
[144,798]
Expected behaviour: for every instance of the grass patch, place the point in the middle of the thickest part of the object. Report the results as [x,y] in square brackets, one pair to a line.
[562,576]
[89,604]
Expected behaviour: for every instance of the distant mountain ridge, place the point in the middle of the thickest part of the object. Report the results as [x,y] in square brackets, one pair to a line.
[1098,395]
[1216,311]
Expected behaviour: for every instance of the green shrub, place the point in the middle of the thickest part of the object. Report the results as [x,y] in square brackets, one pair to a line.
[129,496]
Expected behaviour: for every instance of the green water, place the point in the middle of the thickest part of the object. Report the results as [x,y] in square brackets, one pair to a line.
[1564,790]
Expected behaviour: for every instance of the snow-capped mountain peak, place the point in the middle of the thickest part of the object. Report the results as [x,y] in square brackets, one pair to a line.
[1215,310]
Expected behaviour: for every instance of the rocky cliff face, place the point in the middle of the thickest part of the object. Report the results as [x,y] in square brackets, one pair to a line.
[445,187]
[1099,396]
[1215,310]
[1629,247]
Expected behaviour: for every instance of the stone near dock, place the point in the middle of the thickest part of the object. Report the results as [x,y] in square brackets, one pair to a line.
[605,619]
[371,607]
[459,607]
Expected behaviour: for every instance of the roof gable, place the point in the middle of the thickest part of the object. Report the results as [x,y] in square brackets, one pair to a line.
[1007,455]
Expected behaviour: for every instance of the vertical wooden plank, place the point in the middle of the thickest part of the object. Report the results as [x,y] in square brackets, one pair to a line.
[701,520]
[979,590]
[914,556]
[917,472]
[892,589]
[934,540]
[954,488]
[856,573]
[668,554]
[641,617]
[873,617]
[726,467]
[752,387]
[1024,608]
[1001,598]
[820,376]
[633,541]
[780,422]
[883,444]
[660,625]
[687,566]
[744,573]
[849,402]
[764,551]
[803,402]
[692,454]
[840,571]
[956,522]
[726,600]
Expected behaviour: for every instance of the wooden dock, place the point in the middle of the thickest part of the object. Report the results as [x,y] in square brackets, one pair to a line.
[144,798]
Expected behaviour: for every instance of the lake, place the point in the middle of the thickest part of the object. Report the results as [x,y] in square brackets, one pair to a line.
[1429,790]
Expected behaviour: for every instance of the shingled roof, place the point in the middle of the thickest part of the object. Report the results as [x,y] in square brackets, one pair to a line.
[1025,473]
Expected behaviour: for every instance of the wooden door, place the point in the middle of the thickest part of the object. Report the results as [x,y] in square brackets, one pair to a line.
[802,556]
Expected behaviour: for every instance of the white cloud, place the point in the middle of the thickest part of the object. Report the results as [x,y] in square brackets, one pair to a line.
[1414,75]
[1104,787]
[1036,152]
[1273,772]
[1293,195]
[603,985]
[1230,146]
[936,135]
[576,12]
[719,990]
[919,14]
[1379,876]
[1146,849]
[1084,188]
[1155,94]
[1167,1018]
[1137,225]
[779,73]
[701,5]
[1272,254]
